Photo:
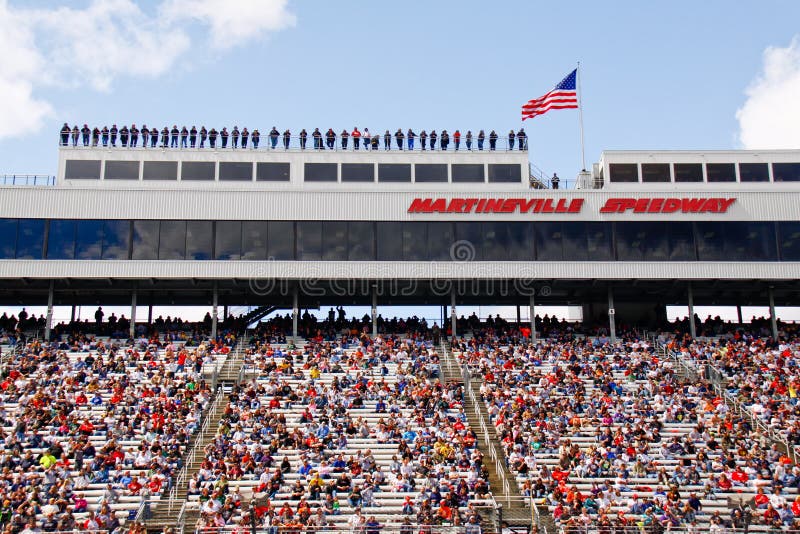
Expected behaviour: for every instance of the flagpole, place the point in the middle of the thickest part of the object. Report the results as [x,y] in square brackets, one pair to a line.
[580,117]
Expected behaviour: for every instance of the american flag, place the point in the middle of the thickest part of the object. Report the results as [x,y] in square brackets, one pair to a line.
[563,96]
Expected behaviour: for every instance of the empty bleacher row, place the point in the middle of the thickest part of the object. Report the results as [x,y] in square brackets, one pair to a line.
[91,430]
[610,436]
[343,436]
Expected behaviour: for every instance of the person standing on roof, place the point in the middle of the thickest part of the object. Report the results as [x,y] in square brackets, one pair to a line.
[356,135]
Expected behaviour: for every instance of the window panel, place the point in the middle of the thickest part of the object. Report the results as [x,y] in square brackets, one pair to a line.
[172,240]
[750,241]
[468,172]
[430,172]
[505,173]
[415,241]
[471,233]
[121,170]
[78,169]
[710,241]
[390,240]
[753,172]
[228,240]
[721,172]
[30,239]
[688,172]
[237,171]
[255,236]
[309,240]
[681,242]
[440,242]
[61,240]
[790,240]
[272,172]
[360,241]
[520,241]
[358,172]
[786,172]
[392,172]
[89,240]
[145,240]
[8,238]
[655,172]
[630,241]
[320,172]
[281,242]
[623,172]
[495,242]
[574,241]
[199,240]
[116,240]
[160,170]
[198,171]
[334,244]
[598,241]
[549,245]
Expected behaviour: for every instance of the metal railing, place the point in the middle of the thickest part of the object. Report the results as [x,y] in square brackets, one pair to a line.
[27,179]
[296,142]
[396,526]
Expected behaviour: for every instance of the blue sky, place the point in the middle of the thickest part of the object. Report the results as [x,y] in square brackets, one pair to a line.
[655,75]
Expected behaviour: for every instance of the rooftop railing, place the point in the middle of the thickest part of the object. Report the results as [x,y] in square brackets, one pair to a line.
[27,179]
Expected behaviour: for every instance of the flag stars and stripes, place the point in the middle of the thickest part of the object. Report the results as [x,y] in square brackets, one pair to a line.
[563,96]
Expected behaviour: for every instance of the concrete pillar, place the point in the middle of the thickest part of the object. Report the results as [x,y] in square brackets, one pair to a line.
[150,314]
[49,320]
[225,312]
[612,328]
[374,313]
[739,314]
[772,318]
[533,319]
[453,310]
[72,315]
[692,326]
[519,317]
[295,311]
[214,310]
[132,332]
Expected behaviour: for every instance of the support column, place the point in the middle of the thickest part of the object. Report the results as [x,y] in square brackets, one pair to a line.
[295,312]
[49,321]
[150,314]
[453,311]
[533,319]
[692,326]
[772,318]
[519,317]
[132,327]
[739,314]
[225,312]
[374,313]
[612,328]
[72,315]
[214,309]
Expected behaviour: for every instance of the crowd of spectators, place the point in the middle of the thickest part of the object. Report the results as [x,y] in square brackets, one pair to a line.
[89,428]
[184,137]
[356,433]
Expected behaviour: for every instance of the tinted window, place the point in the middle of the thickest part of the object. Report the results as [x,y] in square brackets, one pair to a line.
[471,172]
[751,241]
[520,241]
[235,172]
[711,241]
[495,245]
[30,239]
[172,240]
[121,170]
[272,172]
[77,169]
[116,238]
[440,243]
[320,172]
[228,240]
[254,240]
[358,172]
[393,172]
[145,240]
[390,240]
[198,170]
[786,172]
[549,241]
[199,240]
[469,234]
[430,172]
[646,241]
[89,240]
[334,243]
[623,172]
[573,240]
[655,172]
[8,238]
[415,241]
[309,240]
[753,172]
[721,172]
[688,172]
[61,240]
[681,241]
[281,240]
[790,240]
[598,241]
[360,241]
[160,170]
[502,173]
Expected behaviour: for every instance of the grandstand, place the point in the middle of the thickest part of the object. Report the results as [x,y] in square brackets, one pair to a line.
[276,421]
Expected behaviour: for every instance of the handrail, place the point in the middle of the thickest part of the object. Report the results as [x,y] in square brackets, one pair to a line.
[27,179]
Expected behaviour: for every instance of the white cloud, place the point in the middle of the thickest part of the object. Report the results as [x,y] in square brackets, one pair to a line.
[93,47]
[770,115]
[232,22]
